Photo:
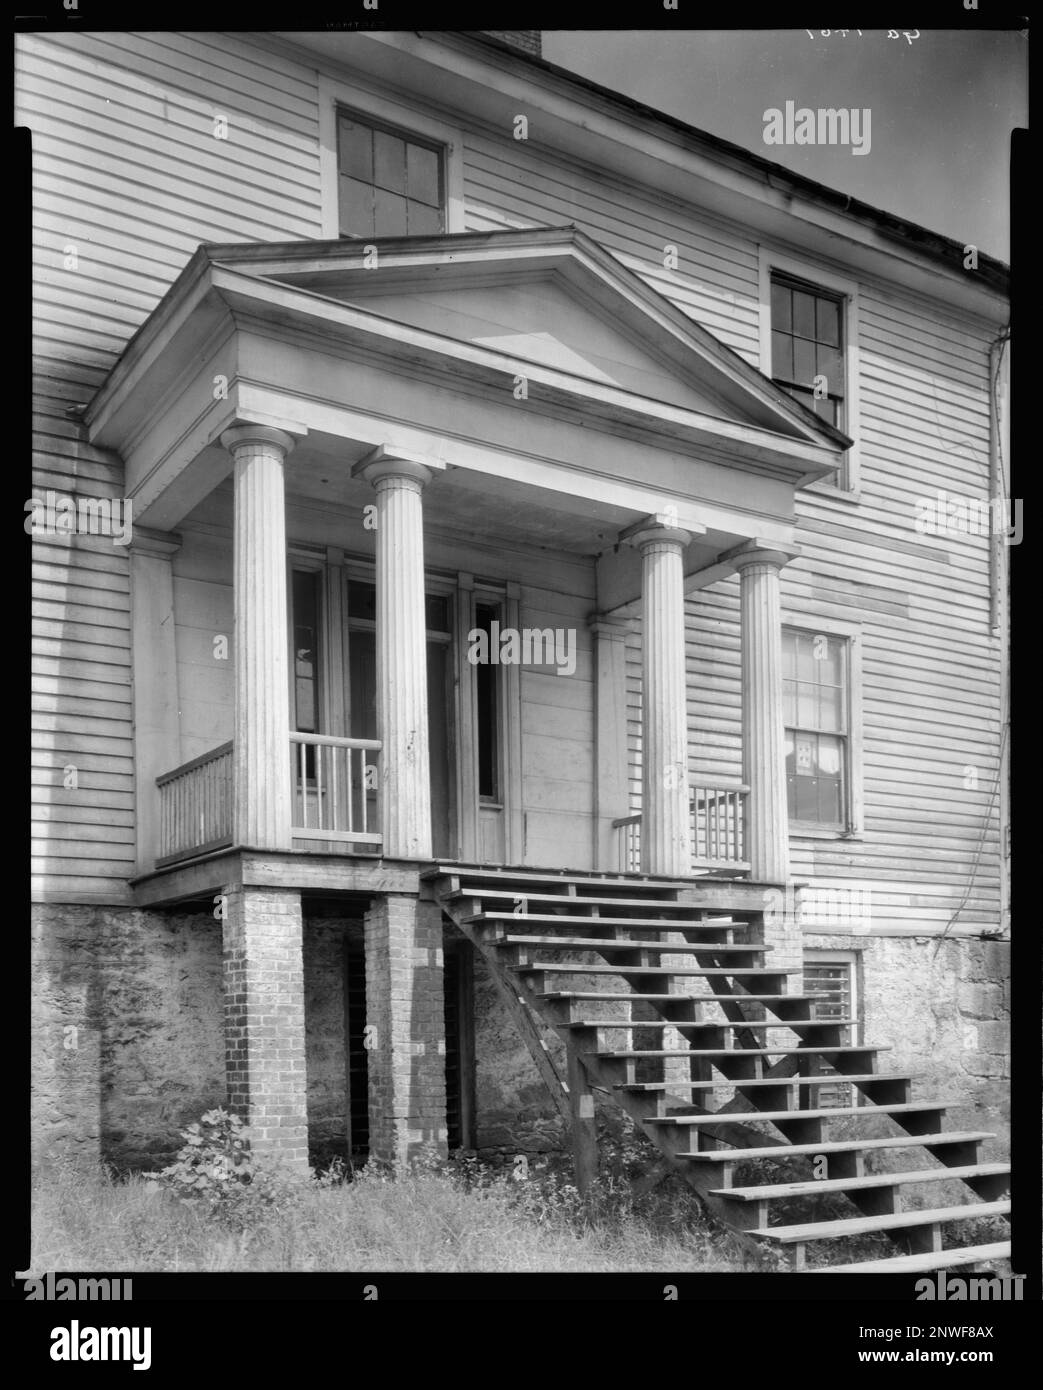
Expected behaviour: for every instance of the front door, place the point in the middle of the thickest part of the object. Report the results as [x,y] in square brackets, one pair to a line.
[362,702]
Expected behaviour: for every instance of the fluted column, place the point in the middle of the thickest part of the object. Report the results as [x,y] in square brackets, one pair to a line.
[763,757]
[261,757]
[401,652]
[666,837]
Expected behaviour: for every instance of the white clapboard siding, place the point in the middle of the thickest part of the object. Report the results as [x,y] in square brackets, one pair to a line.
[128,171]
[510,185]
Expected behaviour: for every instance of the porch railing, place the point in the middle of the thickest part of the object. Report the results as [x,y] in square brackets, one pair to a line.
[335,783]
[195,806]
[334,797]
[718,827]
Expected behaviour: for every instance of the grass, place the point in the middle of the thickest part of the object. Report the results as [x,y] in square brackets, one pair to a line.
[435,1219]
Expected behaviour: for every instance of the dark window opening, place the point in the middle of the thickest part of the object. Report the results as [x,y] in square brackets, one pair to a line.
[305,658]
[356,1055]
[459,1045]
[487,700]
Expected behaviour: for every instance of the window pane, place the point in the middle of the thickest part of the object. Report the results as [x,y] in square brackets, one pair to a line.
[827,322]
[782,356]
[828,756]
[804,755]
[389,162]
[356,208]
[789,654]
[803,314]
[781,307]
[789,702]
[422,220]
[389,216]
[807,669]
[828,812]
[437,612]
[807,705]
[305,650]
[362,599]
[803,361]
[828,363]
[805,799]
[356,150]
[422,168]
[830,666]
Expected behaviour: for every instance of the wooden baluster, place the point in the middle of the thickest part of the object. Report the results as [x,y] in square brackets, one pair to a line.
[319,753]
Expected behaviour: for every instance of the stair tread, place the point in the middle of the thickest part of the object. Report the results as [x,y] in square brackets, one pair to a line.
[911,1264]
[608,943]
[807,1189]
[576,900]
[633,882]
[863,1225]
[559,919]
[575,968]
[788,1026]
[748,1116]
[830,1079]
[905,1141]
[814,1051]
[696,998]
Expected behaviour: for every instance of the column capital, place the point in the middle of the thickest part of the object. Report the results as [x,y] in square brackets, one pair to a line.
[757,552]
[608,625]
[159,545]
[244,433]
[657,528]
[386,461]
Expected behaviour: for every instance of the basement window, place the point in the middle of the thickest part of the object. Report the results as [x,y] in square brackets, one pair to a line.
[835,975]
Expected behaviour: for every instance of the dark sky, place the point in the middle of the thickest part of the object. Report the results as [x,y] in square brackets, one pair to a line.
[942,105]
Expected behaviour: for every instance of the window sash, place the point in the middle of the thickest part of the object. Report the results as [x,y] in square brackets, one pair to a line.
[807,340]
[815,795]
[387,184]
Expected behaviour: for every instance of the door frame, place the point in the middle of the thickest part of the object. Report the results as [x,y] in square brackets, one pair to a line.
[470,592]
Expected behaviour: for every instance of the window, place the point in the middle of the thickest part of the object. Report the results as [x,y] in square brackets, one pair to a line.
[835,977]
[487,700]
[815,702]
[807,346]
[390,183]
[306,651]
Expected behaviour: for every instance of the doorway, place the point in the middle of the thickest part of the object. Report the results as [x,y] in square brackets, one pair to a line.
[362,699]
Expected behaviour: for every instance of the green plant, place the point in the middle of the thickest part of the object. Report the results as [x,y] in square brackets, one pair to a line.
[216,1170]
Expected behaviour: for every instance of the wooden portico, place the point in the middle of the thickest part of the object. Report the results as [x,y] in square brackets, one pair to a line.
[521,384]
[525,387]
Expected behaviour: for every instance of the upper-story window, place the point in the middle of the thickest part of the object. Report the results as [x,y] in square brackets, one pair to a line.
[390,182]
[807,346]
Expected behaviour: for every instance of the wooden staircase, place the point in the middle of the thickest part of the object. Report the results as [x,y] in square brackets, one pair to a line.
[577,953]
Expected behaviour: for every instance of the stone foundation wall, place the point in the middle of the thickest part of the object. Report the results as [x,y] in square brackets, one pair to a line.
[127,1043]
[127,1031]
[944,1006]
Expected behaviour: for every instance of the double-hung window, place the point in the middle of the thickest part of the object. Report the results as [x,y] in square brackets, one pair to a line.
[390,182]
[807,346]
[816,718]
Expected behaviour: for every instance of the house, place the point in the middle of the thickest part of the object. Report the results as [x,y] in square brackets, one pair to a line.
[475,511]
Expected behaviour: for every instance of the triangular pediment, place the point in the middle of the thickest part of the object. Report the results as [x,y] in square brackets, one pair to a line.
[549,297]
